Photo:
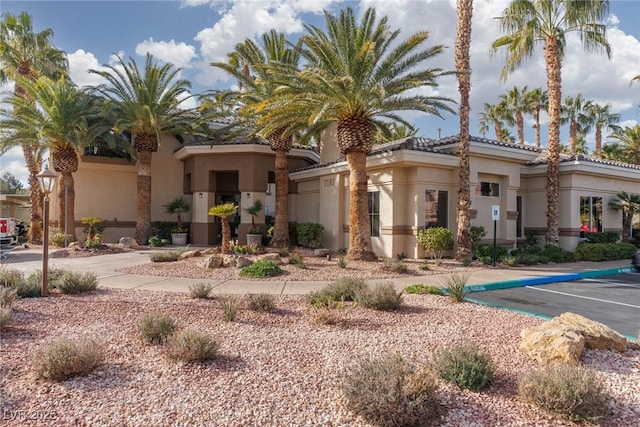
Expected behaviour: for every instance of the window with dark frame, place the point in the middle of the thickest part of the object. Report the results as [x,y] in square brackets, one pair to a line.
[590,215]
[374,212]
[489,189]
[436,208]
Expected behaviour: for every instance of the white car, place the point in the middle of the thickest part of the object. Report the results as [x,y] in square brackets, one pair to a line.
[10,230]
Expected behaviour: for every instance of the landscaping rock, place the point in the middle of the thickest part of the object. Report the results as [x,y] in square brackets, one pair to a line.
[273,257]
[128,242]
[210,251]
[213,261]
[596,335]
[237,261]
[552,343]
[321,252]
[190,254]
[74,245]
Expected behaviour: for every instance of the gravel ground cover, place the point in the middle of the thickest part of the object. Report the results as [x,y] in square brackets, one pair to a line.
[274,369]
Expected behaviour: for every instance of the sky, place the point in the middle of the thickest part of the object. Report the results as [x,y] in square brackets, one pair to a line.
[193,33]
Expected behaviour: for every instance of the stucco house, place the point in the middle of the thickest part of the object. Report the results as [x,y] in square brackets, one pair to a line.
[412,185]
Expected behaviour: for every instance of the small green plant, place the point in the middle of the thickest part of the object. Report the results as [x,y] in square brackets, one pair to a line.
[394,266]
[401,256]
[191,346]
[6,315]
[436,240]
[60,240]
[74,282]
[466,366]
[254,211]
[343,289]
[329,312]
[455,286]
[423,289]
[309,235]
[155,327]
[382,296]
[260,269]
[94,242]
[388,391]
[510,261]
[262,302]
[177,207]
[284,252]
[200,290]
[424,265]
[342,261]
[230,305]
[466,262]
[477,233]
[245,249]
[94,226]
[165,256]
[156,241]
[67,357]
[297,260]
[342,251]
[573,391]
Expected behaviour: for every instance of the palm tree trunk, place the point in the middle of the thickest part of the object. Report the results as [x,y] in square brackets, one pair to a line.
[520,121]
[225,246]
[463,41]
[573,132]
[359,226]
[143,209]
[554,84]
[281,221]
[498,128]
[537,126]
[598,142]
[66,180]
[35,195]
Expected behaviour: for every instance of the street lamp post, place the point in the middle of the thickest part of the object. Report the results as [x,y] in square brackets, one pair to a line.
[47,181]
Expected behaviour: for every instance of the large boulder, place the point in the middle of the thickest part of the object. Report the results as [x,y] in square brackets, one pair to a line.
[190,254]
[596,335]
[271,256]
[238,261]
[211,262]
[552,343]
[128,242]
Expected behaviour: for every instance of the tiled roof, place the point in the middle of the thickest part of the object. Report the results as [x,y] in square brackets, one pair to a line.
[239,140]
[454,139]
[565,158]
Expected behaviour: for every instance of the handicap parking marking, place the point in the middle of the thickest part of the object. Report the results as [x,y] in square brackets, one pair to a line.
[581,296]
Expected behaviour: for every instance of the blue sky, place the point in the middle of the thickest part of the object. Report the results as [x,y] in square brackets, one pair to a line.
[193,33]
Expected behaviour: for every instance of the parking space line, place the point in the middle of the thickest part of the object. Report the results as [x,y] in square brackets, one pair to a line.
[611,282]
[583,297]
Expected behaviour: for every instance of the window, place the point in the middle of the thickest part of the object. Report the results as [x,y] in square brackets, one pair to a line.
[491,189]
[436,208]
[590,215]
[374,213]
[519,230]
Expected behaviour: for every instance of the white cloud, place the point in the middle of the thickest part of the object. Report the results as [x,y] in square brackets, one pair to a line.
[13,162]
[80,62]
[179,54]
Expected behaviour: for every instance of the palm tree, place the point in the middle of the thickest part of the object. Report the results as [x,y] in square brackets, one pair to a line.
[463,70]
[574,111]
[536,100]
[224,211]
[29,55]
[396,131]
[613,151]
[497,115]
[530,22]
[248,63]
[602,117]
[629,146]
[147,104]
[629,204]
[516,101]
[59,120]
[357,75]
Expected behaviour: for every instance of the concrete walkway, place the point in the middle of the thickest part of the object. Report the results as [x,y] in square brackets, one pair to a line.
[105,266]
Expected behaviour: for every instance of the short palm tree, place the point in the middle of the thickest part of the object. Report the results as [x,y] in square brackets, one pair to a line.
[575,111]
[177,207]
[629,145]
[358,75]
[602,117]
[527,23]
[27,54]
[147,104]
[59,120]
[224,211]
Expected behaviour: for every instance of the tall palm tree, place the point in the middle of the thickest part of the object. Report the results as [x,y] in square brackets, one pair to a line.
[357,75]
[496,114]
[629,146]
[516,101]
[575,111]
[59,120]
[602,117]
[248,63]
[146,104]
[536,100]
[527,23]
[25,53]
[463,70]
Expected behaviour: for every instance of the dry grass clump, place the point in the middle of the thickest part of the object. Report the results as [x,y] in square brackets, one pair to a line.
[165,256]
[465,366]
[155,327]
[200,290]
[382,296]
[7,296]
[230,305]
[6,315]
[67,357]
[388,391]
[191,346]
[455,286]
[73,282]
[262,302]
[343,289]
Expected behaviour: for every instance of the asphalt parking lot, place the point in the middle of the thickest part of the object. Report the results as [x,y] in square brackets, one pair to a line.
[613,300]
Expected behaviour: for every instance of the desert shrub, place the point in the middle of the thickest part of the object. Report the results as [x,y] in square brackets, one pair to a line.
[396,266]
[603,237]
[191,346]
[388,391]
[382,296]
[330,312]
[6,314]
[200,290]
[155,327]
[262,268]
[423,289]
[67,357]
[424,265]
[157,241]
[455,286]
[262,302]
[465,366]
[466,262]
[401,256]
[342,261]
[73,282]
[436,240]
[7,296]
[283,252]
[343,289]
[165,256]
[230,305]
[573,391]
[60,240]
[604,251]
[510,261]
[297,260]
[310,234]
[556,254]
[9,277]
[528,259]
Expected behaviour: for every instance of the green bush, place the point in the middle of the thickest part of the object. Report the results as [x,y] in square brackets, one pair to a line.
[310,235]
[157,241]
[262,302]
[165,256]
[200,290]
[6,314]
[59,239]
[455,286]
[73,282]
[162,229]
[436,240]
[260,269]
[465,366]
[191,346]
[604,251]
[487,251]
[423,289]
[343,289]
[528,259]
[67,357]
[388,391]
[155,327]
[573,391]
[477,233]
[603,237]
[510,261]
[382,297]
[556,254]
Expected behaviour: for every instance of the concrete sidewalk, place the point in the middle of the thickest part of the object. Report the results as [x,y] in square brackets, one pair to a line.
[105,266]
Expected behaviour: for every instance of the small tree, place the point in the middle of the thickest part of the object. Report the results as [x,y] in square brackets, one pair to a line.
[177,207]
[223,211]
[436,240]
[254,210]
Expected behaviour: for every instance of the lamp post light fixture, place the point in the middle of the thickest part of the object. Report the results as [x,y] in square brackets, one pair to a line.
[47,181]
